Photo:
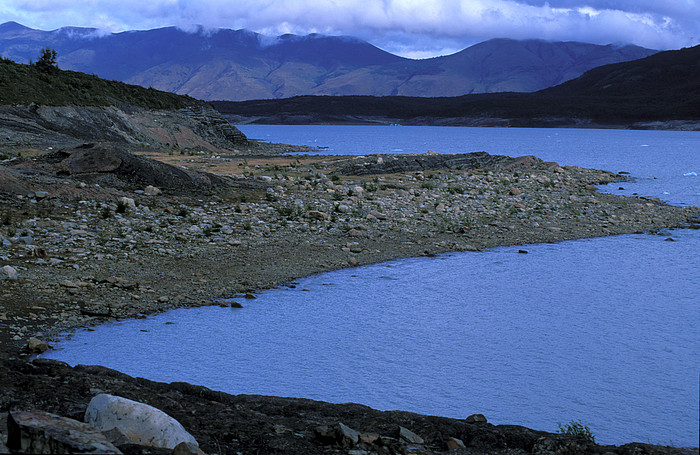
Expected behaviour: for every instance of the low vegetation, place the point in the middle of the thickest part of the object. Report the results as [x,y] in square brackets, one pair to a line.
[44,83]
[577,430]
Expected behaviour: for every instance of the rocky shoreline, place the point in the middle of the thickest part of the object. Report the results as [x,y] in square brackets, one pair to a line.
[88,241]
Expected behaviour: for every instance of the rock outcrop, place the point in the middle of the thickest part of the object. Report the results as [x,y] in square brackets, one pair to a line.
[43,432]
[140,423]
[190,128]
[393,164]
[111,166]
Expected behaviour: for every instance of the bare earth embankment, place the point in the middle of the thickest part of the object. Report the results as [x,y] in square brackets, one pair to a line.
[93,233]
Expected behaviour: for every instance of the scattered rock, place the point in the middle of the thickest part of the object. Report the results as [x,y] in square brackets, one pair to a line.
[43,432]
[8,272]
[347,437]
[476,418]
[128,202]
[409,436]
[140,423]
[454,444]
[151,190]
[317,215]
[25,240]
[187,448]
[36,346]
[369,438]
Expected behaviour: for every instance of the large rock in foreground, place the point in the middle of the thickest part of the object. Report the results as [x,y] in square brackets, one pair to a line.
[140,423]
[43,432]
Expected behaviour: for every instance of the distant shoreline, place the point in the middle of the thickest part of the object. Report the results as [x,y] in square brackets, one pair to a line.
[301,119]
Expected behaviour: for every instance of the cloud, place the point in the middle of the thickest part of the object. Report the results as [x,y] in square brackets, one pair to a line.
[405,26]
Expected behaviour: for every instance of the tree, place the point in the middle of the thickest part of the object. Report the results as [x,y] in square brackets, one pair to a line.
[47,61]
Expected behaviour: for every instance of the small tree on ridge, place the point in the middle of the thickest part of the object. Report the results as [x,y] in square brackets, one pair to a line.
[47,61]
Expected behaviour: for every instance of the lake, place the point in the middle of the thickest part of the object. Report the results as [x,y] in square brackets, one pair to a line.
[604,331]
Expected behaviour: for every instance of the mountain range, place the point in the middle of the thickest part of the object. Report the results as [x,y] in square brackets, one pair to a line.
[664,87]
[236,65]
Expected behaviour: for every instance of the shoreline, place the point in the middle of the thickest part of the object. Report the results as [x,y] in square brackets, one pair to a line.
[289,217]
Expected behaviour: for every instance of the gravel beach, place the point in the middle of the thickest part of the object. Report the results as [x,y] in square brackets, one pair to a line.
[81,248]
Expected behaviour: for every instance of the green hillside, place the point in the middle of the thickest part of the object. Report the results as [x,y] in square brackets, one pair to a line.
[48,85]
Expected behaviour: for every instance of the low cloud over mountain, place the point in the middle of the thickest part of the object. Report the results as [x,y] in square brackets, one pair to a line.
[240,65]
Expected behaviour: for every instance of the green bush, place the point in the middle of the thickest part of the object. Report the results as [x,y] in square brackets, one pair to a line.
[577,430]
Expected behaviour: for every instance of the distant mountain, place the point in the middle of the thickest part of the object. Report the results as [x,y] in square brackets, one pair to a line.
[242,65]
[672,75]
[664,87]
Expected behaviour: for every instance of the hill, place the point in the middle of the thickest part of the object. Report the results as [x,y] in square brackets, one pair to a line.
[659,88]
[241,65]
[24,84]
[43,106]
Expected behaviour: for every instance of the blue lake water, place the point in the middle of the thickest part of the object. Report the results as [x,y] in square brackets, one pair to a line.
[605,331]
[657,159]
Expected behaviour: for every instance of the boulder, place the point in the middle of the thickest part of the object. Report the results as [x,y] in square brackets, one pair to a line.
[42,432]
[338,434]
[86,160]
[37,346]
[409,436]
[8,272]
[454,444]
[152,190]
[476,418]
[347,437]
[140,423]
[128,202]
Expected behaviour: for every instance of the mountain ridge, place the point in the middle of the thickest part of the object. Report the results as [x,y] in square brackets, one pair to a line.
[229,64]
[659,91]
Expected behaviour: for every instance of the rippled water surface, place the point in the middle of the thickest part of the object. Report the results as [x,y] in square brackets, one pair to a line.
[604,331]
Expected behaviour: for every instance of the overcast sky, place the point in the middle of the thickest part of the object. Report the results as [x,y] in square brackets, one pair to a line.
[412,28]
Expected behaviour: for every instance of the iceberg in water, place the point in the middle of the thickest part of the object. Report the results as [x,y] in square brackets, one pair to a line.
[691,174]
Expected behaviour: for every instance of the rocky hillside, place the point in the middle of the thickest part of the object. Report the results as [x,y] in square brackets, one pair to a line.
[35,126]
[242,65]
[42,107]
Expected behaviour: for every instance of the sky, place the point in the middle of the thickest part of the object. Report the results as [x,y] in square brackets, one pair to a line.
[411,28]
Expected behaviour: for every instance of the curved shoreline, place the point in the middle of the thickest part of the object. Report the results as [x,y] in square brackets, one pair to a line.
[175,251]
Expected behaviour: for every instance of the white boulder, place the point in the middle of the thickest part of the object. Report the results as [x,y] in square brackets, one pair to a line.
[8,272]
[140,423]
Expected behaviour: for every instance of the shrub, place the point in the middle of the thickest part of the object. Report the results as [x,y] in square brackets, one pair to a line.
[122,207]
[289,212]
[577,430]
